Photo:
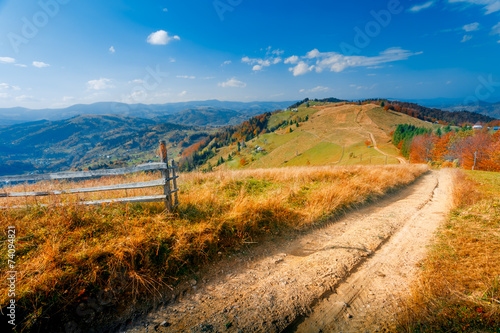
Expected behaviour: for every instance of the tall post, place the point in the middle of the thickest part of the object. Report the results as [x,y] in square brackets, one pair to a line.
[475,159]
[174,180]
[166,175]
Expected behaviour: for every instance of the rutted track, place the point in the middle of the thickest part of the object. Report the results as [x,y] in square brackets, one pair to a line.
[279,284]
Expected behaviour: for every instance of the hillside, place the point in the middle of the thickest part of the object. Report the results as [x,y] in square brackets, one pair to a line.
[88,141]
[205,116]
[333,134]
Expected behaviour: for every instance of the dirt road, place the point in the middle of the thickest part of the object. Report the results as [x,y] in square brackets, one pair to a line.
[401,160]
[344,276]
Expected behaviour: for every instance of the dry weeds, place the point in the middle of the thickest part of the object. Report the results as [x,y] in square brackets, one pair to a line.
[70,254]
[459,289]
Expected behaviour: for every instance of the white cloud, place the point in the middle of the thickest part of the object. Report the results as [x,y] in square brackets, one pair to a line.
[165,10]
[259,63]
[136,81]
[7,60]
[316,89]
[40,64]
[292,60]
[301,69]
[423,6]
[233,83]
[68,98]
[186,77]
[363,87]
[227,62]
[496,29]
[491,6]
[471,27]
[182,94]
[161,37]
[336,62]
[5,86]
[21,65]
[466,38]
[100,84]
[112,49]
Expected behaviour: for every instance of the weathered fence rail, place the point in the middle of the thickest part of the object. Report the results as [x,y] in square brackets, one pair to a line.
[168,182]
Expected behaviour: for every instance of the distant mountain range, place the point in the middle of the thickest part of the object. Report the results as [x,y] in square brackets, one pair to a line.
[86,141]
[450,104]
[233,112]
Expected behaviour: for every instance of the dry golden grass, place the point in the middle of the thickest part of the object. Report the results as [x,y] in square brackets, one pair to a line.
[459,289]
[68,254]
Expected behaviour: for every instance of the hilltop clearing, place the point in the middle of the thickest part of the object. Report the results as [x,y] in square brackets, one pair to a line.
[332,134]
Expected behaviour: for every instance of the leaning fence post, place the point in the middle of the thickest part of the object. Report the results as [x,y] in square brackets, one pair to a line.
[166,175]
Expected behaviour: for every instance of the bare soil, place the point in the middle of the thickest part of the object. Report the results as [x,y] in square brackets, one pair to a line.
[347,276]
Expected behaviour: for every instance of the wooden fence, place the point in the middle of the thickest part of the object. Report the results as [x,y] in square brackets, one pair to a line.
[168,181]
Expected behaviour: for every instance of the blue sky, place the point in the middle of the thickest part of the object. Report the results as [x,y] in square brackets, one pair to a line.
[55,53]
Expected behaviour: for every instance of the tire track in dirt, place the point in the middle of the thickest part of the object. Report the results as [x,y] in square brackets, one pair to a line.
[279,283]
[370,297]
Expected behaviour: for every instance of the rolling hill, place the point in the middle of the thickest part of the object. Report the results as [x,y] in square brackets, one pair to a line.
[339,133]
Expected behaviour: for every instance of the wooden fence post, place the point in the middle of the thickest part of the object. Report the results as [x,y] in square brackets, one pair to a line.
[166,176]
[174,180]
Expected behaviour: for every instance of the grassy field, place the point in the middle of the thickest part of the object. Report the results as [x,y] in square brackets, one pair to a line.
[459,290]
[120,255]
[330,130]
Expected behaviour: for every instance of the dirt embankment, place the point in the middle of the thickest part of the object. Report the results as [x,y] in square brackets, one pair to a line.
[343,276]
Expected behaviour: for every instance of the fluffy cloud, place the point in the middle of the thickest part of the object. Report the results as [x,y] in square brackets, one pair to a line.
[292,60]
[112,49]
[301,68]
[471,27]
[5,86]
[315,89]
[7,60]
[136,81]
[423,6]
[466,38]
[100,84]
[491,6]
[233,83]
[336,62]
[161,37]
[186,77]
[260,63]
[183,93]
[40,64]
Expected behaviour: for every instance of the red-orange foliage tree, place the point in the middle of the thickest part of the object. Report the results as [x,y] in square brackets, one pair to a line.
[421,147]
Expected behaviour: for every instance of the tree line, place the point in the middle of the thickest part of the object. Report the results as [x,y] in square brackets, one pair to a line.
[464,147]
